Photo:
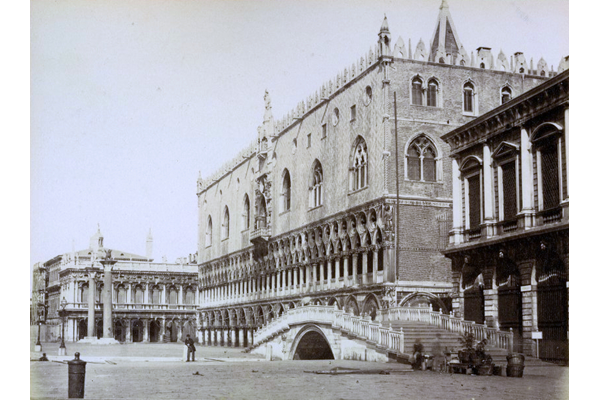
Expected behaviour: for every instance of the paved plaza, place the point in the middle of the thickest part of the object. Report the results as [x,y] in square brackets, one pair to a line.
[155,371]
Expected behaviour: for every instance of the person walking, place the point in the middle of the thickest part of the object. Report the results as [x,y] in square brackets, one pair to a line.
[191,349]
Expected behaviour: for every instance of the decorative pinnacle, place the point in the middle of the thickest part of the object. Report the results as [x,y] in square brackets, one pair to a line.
[384,26]
[444,4]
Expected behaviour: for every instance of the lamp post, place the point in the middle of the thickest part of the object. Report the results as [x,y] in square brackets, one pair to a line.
[62,350]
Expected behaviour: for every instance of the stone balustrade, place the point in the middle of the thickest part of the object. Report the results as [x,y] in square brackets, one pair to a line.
[494,336]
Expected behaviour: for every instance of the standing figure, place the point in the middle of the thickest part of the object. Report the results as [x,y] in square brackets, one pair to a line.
[189,342]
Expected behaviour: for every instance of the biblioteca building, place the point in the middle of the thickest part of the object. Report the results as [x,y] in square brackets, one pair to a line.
[349,200]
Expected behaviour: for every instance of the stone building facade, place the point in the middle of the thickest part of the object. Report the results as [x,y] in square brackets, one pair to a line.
[347,200]
[150,302]
[509,242]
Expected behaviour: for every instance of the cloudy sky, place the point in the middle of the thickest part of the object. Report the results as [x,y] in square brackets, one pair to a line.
[131,99]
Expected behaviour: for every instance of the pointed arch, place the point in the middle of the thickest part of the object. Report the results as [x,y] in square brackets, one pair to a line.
[208,233]
[225,225]
[246,213]
[359,164]
[417,87]
[316,185]
[422,159]
[469,98]
[286,191]
[506,94]
[433,92]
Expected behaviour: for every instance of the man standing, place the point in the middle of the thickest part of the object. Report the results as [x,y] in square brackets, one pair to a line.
[189,342]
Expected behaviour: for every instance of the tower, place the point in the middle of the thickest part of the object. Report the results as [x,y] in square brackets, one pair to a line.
[149,245]
[97,240]
[385,38]
[445,45]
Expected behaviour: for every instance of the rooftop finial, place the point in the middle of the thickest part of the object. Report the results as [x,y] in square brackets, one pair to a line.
[444,4]
[384,25]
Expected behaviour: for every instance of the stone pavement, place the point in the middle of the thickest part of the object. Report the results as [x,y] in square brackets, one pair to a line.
[259,379]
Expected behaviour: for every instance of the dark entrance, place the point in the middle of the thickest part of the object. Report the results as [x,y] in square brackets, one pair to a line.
[82,328]
[172,331]
[154,331]
[510,311]
[120,331]
[138,331]
[474,304]
[99,328]
[313,346]
[553,319]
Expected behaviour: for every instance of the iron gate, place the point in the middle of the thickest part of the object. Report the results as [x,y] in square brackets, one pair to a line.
[510,313]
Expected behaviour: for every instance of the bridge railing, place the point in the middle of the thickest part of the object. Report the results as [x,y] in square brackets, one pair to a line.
[352,324]
[494,336]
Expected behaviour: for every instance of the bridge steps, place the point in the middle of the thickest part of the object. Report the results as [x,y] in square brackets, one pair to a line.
[449,340]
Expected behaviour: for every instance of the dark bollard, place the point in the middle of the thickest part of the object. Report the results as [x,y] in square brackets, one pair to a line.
[76,378]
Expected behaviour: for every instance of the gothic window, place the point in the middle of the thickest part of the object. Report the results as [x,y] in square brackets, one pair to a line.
[368,96]
[359,168]
[208,236]
[353,112]
[335,119]
[308,140]
[316,185]
[469,98]
[246,213]
[432,93]
[225,226]
[417,91]
[506,94]
[286,191]
[261,218]
[421,160]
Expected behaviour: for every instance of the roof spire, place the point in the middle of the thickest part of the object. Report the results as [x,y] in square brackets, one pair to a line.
[384,25]
[444,42]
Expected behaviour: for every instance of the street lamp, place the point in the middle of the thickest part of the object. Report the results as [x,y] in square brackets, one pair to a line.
[62,350]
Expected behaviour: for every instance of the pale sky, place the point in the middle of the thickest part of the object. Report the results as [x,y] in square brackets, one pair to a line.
[130,99]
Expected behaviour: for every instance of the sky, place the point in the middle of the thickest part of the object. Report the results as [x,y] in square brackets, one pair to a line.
[129,100]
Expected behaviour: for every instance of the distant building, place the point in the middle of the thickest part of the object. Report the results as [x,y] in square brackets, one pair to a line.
[151,301]
[330,206]
[509,243]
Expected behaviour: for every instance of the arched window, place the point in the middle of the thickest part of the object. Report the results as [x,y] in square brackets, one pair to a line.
[359,168]
[469,98]
[172,295]
[246,213]
[155,295]
[506,94]
[432,93]
[189,296]
[225,226]
[286,191]
[316,185]
[121,295]
[208,237]
[421,160]
[84,294]
[417,91]
[139,295]
[261,217]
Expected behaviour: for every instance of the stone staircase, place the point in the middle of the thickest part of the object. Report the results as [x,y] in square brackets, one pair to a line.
[427,334]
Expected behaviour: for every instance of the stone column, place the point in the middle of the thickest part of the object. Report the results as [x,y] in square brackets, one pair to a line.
[337,272]
[107,311]
[289,280]
[128,298]
[301,273]
[329,272]
[128,338]
[146,290]
[91,330]
[457,204]
[296,283]
[164,297]
[365,258]
[346,258]
[376,265]
[526,179]
[146,329]
[567,147]
[314,277]
[488,190]
[354,268]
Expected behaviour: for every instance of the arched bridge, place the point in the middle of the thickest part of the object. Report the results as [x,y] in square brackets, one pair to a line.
[325,332]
